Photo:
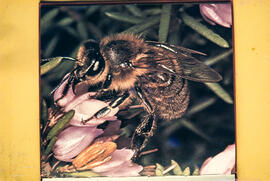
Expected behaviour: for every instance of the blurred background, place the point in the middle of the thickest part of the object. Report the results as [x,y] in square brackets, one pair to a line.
[208,126]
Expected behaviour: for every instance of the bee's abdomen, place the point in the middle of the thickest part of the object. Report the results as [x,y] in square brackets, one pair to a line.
[168,95]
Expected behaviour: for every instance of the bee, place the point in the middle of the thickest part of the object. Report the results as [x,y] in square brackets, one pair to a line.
[124,66]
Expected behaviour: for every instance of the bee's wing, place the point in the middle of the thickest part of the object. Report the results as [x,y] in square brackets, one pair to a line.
[192,69]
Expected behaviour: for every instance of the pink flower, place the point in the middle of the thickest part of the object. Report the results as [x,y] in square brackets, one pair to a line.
[120,165]
[222,163]
[217,13]
[73,140]
[58,94]
[85,107]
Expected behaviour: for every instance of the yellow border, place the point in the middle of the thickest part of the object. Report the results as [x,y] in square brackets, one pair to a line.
[19,127]
[19,87]
[252,63]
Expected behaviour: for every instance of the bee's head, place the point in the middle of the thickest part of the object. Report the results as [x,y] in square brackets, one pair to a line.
[90,61]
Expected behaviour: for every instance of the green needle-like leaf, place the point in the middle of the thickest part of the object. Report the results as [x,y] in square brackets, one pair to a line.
[219,57]
[60,125]
[70,30]
[142,26]
[51,64]
[45,21]
[164,22]
[194,128]
[123,17]
[51,46]
[159,170]
[44,111]
[82,30]
[220,92]
[204,31]
[135,10]
[92,9]
[201,106]
[152,11]
[50,146]
[65,21]
[177,170]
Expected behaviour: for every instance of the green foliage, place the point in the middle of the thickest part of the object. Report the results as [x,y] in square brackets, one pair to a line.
[174,169]
[218,89]
[204,31]
[164,22]
[60,125]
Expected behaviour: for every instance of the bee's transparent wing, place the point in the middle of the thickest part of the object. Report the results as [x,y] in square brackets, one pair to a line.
[192,69]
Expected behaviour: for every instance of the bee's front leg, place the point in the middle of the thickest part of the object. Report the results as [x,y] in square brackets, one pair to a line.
[113,104]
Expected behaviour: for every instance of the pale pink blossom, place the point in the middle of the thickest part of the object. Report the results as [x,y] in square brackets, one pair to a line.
[222,163]
[84,105]
[82,134]
[85,108]
[57,96]
[217,13]
[71,141]
[120,165]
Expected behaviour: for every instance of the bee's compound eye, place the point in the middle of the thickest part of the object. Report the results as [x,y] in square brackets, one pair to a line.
[97,66]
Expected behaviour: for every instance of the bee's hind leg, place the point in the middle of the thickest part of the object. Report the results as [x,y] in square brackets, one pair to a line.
[146,128]
[142,134]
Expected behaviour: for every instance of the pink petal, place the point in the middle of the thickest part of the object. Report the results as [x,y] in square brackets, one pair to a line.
[119,157]
[86,108]
[73,140]
[222,163]
[127,169]
[58,94]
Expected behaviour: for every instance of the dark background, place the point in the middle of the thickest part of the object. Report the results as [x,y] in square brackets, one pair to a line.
[199,134]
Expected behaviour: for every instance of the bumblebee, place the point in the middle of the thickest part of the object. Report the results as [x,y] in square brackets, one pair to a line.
[124,66]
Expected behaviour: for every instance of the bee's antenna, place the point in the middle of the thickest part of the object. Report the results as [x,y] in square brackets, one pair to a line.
[49,59]
[70,58]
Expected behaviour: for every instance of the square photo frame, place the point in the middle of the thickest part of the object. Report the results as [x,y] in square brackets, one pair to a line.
[144,61]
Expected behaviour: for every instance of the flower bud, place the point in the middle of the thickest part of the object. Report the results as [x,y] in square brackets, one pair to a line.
[217,13]
[73,140]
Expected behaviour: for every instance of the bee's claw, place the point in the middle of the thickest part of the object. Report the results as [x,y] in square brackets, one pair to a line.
[86,120]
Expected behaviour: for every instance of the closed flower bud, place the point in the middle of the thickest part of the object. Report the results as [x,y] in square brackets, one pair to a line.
[217,13]
[73,140]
